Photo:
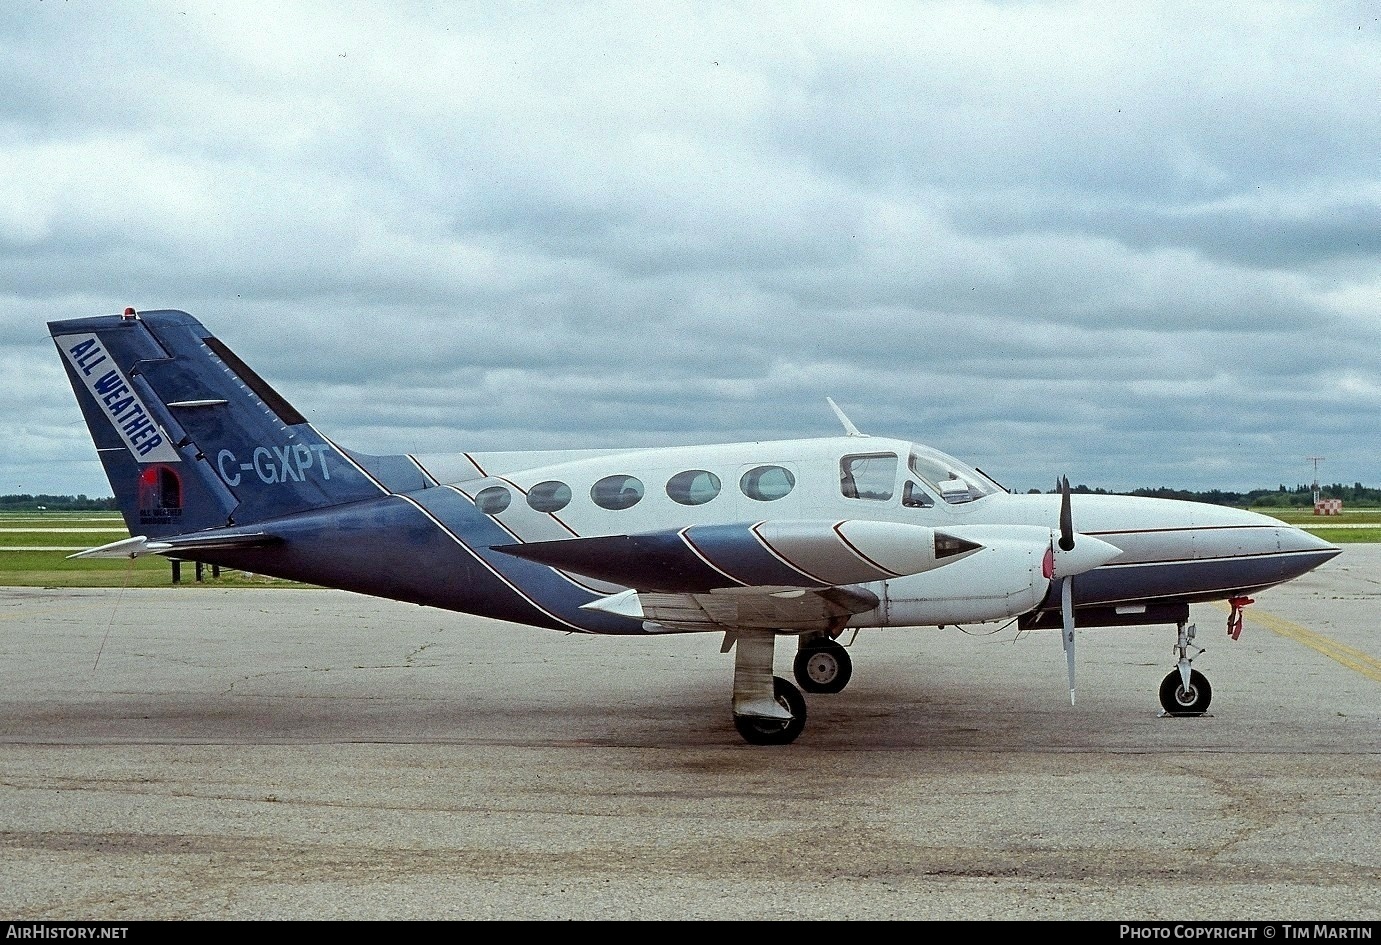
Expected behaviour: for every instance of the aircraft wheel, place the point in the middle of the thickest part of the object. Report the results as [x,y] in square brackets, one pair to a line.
[759,731]
[824,667]
[1177,700]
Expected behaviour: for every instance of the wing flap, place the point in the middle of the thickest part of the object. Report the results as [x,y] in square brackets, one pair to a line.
[742,609]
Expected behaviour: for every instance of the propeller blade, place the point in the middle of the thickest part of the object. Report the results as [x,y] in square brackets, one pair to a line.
[1067,612]
[1066,517]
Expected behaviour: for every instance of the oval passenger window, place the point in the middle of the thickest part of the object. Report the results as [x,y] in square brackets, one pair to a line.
[493,500]
[616,492]
[550,496]
[766,483]
[693,487]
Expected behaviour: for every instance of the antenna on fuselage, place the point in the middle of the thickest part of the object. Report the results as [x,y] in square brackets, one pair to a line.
[849,427]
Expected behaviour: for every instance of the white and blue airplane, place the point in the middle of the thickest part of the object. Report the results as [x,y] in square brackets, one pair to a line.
[805,538]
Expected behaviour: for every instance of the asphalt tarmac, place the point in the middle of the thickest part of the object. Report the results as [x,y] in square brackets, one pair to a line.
[199,752]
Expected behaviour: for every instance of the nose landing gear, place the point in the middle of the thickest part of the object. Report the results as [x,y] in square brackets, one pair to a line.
[1185,691]
[1180,698]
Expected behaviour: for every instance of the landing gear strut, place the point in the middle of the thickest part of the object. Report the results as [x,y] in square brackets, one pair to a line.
[768,710]
[1185,691]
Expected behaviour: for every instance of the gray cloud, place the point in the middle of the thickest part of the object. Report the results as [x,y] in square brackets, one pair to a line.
[1133,244]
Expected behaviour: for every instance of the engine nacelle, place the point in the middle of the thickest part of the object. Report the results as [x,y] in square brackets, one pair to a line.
[1004,579]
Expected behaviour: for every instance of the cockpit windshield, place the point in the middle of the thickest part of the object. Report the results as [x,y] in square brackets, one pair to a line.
[953,481]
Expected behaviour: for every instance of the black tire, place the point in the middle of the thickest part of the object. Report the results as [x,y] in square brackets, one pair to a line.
[824,667]
[1176,700]
[756,731]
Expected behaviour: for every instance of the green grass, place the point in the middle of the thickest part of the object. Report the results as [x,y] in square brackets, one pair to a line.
[1347,536]
[20,567]
[1306,517]
[1351,527]
[72,540]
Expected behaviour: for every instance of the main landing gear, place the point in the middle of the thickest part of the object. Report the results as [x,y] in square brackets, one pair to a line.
[761,730]
[769,710]
[822,665]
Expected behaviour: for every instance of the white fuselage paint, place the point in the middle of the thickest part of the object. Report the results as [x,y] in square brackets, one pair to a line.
[1002,580]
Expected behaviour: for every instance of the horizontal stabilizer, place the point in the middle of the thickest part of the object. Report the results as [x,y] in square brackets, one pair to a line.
[178,545]
[125,548]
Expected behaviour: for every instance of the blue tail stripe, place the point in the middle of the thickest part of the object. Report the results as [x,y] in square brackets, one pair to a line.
[544,587]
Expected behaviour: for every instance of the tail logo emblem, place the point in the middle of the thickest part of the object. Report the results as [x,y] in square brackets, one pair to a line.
[116,397]
[160,495]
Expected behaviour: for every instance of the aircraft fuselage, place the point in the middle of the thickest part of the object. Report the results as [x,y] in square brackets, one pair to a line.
[440,538]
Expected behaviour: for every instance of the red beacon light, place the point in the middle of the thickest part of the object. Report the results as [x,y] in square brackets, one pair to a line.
[129,314]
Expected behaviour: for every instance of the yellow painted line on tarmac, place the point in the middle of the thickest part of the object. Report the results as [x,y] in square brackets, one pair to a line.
[1368,666]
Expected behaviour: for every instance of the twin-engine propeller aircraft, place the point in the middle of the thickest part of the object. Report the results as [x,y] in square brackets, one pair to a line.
[800,538]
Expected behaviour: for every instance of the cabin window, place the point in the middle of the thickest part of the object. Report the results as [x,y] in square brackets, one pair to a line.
[493,500]
[693,487]
[766,483]
[616,492]
[549,496]
[868,475]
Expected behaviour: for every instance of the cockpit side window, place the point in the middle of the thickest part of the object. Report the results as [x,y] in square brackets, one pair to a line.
[951,480]
[913,496]
[868,475]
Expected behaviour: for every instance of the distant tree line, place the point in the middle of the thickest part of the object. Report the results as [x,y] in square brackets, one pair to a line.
[55,503]
[1282,497]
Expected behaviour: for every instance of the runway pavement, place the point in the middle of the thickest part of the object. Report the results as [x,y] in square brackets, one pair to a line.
[205,753]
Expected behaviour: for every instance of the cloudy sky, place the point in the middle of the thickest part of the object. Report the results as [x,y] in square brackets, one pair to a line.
[1135,244]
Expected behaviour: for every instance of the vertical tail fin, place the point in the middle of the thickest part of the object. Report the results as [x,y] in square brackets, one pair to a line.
[189,436]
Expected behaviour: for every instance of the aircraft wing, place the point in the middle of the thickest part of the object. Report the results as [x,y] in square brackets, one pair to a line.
[785,575]
[758,608]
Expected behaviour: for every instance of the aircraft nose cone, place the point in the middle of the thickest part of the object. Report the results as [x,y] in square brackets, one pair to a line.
[1305,551]
[1290,550]
[1243,533]
[1297,539]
